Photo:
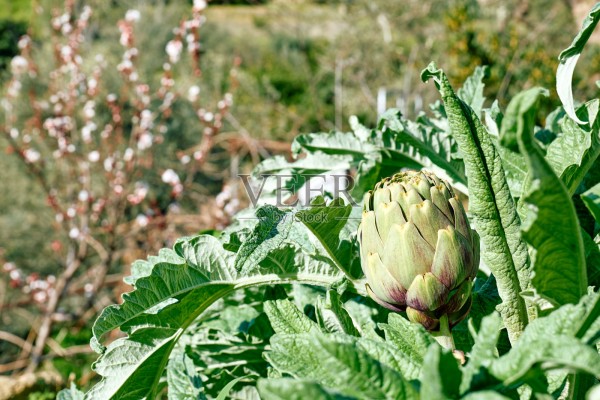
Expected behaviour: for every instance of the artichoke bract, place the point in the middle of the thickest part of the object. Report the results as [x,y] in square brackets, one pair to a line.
[418,251]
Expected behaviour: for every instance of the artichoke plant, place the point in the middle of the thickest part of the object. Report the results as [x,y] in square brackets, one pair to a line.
[418,252]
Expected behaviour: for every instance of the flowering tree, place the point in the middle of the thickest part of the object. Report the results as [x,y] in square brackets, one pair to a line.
[99,144]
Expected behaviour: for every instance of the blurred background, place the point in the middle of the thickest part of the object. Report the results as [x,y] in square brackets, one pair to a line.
[124,125]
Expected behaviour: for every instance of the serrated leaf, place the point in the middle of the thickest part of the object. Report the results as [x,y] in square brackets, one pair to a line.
[313,164]
[558,340]
[552,229]
[411,339]
[520,116]
[556,351]
[441,379]
[491,205]
[361,131]
[272,230]
[285,317]
[483,351]
[221,356]
[143,268]
[362,314]
[471,91]
[293,389]
[332,315]
[168,300]
[515,168]
[425,143]
[335,226]
[335,362]
[332,143]
[391,356]
[129,365]
[573,153]
[182,380]
[569,320]
[568,60]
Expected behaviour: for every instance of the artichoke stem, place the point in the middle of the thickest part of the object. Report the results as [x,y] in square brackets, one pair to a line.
[444,336]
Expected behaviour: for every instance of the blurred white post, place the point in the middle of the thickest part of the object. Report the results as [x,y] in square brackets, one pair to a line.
[418,104]
[381,101]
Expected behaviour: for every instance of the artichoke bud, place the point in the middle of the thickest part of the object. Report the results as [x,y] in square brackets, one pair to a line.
[418,251]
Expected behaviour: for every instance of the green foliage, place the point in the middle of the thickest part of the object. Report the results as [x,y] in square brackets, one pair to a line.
[209,313]
[552,229]
[493,208]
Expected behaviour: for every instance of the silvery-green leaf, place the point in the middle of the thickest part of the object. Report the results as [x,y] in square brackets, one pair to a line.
[491,205]
[568,59]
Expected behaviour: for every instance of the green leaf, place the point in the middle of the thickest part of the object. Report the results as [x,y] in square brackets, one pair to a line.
[392,357]
[410,339]
[332,143]
[515,168]
[293,389]
[568,59]
[312,164]
[552,229]
[574,320]
[227,342]
[131,367]
[559,340]
[484,395]
[429,145]
[483,351]
[332,315]
[143,268]
[182,380]
[225,392]
[491,205]
[485,301]
[285,317]
[575,151]
[363,315]
[551,352]
[471,91]
[208,265]
[269,234]
[335,226]
[335,362]
[70,394]
[591,199]
[579,384]
[441,379]
[166,302]
[520,116]
[493,117]
[592,259]
[588,325]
